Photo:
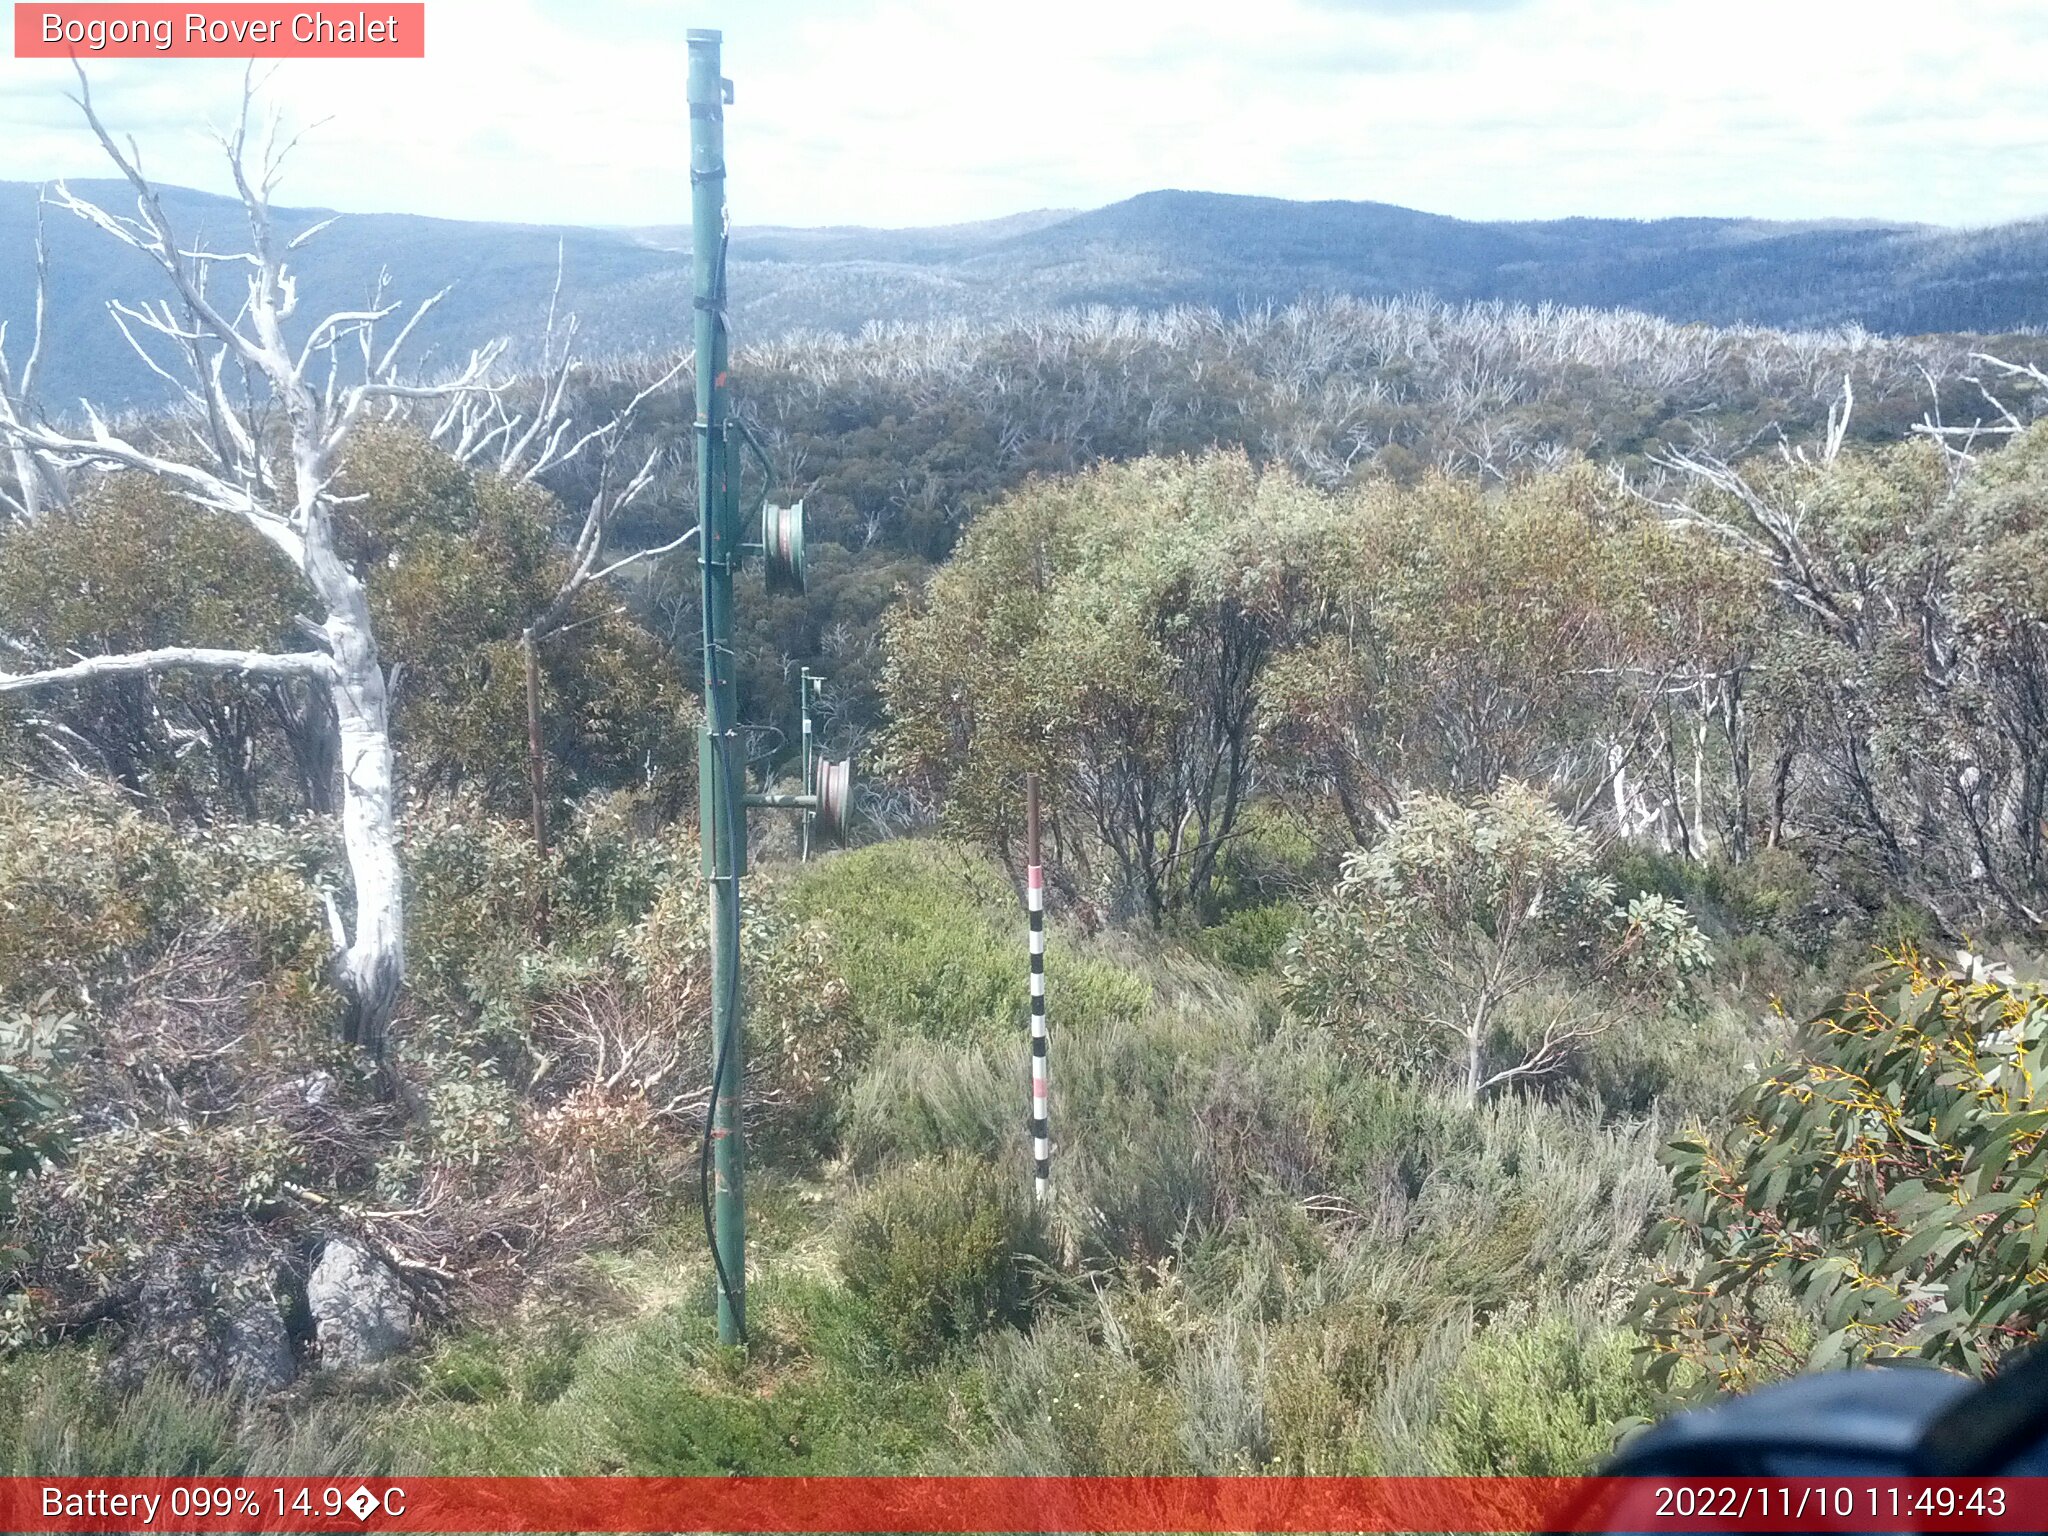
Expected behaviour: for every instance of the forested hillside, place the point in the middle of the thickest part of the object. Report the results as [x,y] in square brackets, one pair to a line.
[1152,252]
[1175,247]
[897,439]
[1547,841]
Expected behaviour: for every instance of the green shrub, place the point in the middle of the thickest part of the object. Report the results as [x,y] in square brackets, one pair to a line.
[1770,892]
[674,1428]
[93,894]
[87,886]
[116,902]
[656,1395]
[1270,859]
[59,1417]
[1541,1397]
[1174,1122]
[931,941]
[29,1096]
[1393,1134]
[472,887]
[1328,1368]
[942,1253]
[805,1037]
[612,861]
[932,1099]
[1249,941]
[1132,1167]
[1435,947]
[1889,1176]
[1536,1199]
[470,1368]
[1147,1136]
[1063,1404]
[818,1383]
[547,1367]
[1685,1062]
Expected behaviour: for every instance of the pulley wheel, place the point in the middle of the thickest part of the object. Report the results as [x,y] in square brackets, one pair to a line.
[782,547]
[835,801]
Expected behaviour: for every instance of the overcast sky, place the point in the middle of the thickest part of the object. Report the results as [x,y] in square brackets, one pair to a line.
[932,111]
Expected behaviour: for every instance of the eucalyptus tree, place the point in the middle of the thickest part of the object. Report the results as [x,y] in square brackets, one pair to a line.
[1542,632]
[1109,631]
[1899,686]
[1481,940]
[533,442]
[262,426]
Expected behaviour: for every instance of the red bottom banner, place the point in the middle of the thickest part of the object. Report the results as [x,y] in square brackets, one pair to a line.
[1023,1504]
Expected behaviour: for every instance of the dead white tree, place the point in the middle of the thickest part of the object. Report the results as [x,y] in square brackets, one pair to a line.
[259,438]
[483,430]
[36,485]
[1960,442]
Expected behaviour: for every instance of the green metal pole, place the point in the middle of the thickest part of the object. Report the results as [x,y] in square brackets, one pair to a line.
[721,817]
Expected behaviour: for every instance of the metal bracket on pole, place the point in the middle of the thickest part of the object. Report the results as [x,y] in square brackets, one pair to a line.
[721,803]
[721,816]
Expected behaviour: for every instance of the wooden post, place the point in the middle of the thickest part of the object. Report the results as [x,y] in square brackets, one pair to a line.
[536,780]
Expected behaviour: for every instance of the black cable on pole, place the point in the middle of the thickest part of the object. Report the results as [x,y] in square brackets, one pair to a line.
[720,1055]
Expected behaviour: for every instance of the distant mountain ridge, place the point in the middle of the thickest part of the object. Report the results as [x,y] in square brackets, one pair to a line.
[630,285]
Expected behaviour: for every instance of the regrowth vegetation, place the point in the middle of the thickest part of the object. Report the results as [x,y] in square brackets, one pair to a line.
[1439,936]
[1470,742]
[1834,654]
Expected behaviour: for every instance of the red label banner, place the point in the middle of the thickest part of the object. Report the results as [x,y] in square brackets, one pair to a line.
[1002,1504]
[232,31]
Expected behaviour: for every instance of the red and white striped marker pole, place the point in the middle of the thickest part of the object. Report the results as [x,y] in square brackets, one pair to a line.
[1034,903]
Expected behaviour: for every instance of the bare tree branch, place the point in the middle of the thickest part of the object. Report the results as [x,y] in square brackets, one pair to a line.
[300,664]
[264,446]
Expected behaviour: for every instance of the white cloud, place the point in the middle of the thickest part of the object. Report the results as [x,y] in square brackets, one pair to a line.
[921,111]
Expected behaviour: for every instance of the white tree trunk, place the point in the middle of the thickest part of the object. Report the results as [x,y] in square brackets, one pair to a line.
[28,478]
[372,967]
[1617,767]
[240,471]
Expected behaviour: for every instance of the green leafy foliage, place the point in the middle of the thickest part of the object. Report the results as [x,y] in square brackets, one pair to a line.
[1251,940]
[1876,1198]
[1108,631]
[930,940]
[1539,1396]
[461,563]
[29,1096]
[941,1253]
[458,563]
[1914,617]
[86,883]
[1443,928]
[1474,637]
[131,566]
